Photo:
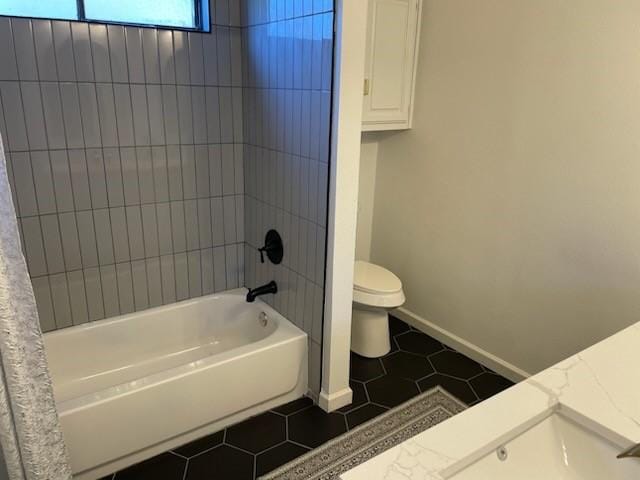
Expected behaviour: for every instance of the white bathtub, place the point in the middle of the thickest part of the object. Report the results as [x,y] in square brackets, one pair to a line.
[133,386]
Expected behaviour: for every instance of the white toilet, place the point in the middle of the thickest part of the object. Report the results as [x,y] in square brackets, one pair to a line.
[375,291]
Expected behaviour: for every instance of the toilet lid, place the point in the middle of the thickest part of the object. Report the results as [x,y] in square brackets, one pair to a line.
[372,278]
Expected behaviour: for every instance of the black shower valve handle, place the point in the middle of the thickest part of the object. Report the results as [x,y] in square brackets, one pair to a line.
[262,250]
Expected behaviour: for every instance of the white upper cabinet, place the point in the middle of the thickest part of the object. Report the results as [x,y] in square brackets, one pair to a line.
[391,63]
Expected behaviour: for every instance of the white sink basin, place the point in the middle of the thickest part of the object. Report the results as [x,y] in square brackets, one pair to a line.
[554,449]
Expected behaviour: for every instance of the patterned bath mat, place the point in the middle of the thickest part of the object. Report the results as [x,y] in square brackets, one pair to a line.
[371,438]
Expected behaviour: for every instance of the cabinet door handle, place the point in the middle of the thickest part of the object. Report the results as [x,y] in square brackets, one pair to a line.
[366,87]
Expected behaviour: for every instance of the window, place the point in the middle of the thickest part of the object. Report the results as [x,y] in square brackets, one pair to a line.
[185,14]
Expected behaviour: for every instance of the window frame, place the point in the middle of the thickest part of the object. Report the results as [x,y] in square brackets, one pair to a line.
[202,16]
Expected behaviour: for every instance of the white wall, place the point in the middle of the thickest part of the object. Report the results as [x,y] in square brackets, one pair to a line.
[512,210]
[366,195]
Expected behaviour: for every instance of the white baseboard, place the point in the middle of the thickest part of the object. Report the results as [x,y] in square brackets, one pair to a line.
[472,351]
[330,403]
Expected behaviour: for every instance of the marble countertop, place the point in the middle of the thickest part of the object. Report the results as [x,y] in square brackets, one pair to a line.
[598,387]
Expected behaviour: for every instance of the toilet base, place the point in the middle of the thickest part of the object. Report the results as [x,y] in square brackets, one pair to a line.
[370,332]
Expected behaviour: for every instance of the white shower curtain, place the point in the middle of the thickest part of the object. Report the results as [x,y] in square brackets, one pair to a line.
[30,434]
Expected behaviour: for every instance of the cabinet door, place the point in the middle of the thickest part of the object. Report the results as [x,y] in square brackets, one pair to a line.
[391,54]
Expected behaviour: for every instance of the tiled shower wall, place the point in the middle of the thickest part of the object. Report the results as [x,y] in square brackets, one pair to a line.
[125,149]
[287,56]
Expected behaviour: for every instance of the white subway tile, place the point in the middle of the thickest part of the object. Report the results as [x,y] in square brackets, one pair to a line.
[25,51]
[140,287]
[185,115]
[140,114]
[107,114]
[165,237]
[167,270]
[60,298]
[109,283]
[124,114]
[94,294]
[195,274]
[202,171]
[34,246]
[63,44]
[196,58]
[150,231]
[191,224]
[52,243]
[45,50]
[14,116]
[130,176]
[134,229]
[219,269]
[33,114]
[89,114]
[113,172]
[125,287]
[135,57]
[182,276]
[181,57]
[24,185]
[43,181]
[9,70]
[207,271]
[198,102]
[78,297]
[82,51]
[42,293]
[79,179]
[178,233]
[189,187]
[97,183]
[167,63]
[103,236]
[170,107]
[154,282]
[150,49]
[156,123]
[71,114]
[87,238]
[145,174]
[160,179]
[100,52]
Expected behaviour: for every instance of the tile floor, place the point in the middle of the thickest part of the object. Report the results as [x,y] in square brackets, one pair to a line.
[256,446]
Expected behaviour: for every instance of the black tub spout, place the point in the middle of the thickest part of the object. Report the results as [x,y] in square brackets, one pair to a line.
[271,287]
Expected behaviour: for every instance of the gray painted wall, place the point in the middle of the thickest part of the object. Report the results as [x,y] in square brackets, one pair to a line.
[126,158]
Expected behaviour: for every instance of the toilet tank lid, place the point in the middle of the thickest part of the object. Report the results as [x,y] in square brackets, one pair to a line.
[371,278]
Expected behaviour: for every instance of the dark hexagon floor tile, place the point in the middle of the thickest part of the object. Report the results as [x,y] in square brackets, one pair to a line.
[258,433]
[489,384]
[458,388]
[391,391]
[453,363]
[278,456]
[165,466]
[362,414]
[364,369]
[359,397]
[397,326]
[201,445]
[293,407]
[221,462]
[419,343]
[313,427]
[407,365]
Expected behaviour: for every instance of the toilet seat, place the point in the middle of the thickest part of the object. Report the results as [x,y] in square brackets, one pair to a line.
[376,286]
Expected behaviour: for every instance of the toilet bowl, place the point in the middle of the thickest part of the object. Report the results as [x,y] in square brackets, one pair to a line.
[375,291]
